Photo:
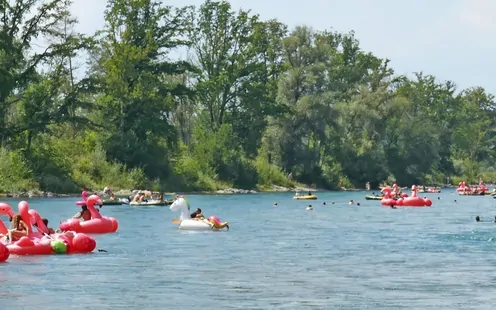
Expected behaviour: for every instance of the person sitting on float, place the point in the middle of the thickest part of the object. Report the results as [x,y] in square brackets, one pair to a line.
[107,190]
[18,229]
[197,215]
[85,214]
[136,197]
[50,229]
[160,196]
[112,197]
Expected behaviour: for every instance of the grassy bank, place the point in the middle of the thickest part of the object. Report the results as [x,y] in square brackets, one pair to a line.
[65,166]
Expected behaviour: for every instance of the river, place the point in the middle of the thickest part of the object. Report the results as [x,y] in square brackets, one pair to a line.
[335,257]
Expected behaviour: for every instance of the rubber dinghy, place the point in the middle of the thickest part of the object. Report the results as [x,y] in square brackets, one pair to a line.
[186,223]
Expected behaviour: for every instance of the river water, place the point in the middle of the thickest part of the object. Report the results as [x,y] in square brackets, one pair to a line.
[335,257]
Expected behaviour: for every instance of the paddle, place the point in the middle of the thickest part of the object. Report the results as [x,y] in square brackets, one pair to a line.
[176,221]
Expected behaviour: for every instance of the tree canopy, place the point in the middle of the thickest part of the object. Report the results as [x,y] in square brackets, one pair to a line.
[201,98]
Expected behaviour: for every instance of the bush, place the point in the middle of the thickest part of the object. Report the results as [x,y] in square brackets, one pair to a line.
[269,174]
[15,175]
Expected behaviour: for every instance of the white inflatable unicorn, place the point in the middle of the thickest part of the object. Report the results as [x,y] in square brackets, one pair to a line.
[186,223]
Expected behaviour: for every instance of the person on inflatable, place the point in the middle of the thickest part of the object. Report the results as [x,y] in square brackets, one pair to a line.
[197,215]
[19,229]
[85,214]
[107,190]
[51,231]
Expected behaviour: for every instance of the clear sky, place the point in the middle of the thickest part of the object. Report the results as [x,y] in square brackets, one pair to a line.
[451,39]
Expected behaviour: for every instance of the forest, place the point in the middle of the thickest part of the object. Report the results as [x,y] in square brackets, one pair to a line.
[205,98]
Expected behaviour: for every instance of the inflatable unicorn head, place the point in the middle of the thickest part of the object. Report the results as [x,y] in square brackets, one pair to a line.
[181,204]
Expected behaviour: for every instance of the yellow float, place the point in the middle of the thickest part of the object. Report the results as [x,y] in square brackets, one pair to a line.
[310,196]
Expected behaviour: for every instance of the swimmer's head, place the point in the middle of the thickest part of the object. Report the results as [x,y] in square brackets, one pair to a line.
[477,219]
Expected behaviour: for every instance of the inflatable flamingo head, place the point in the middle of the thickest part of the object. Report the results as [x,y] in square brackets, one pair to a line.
[386,190]
[6,209]
[414,187]
[94,199]
[84,195]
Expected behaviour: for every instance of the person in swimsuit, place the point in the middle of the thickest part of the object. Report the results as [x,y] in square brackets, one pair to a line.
[19,229]
[50,230]
[197,215]
[85,214]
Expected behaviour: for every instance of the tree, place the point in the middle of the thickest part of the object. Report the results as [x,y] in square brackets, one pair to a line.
[136,93]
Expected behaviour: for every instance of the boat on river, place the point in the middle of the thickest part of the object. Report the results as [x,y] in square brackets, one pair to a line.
[310,196]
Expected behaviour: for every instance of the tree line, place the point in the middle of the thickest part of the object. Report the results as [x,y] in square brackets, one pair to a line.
[203,98]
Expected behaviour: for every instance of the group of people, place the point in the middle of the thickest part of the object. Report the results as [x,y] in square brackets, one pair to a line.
[19,229]
[144,196]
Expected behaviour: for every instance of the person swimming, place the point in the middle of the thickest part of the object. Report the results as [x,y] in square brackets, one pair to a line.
[477,219]
[85,214]
[309,208]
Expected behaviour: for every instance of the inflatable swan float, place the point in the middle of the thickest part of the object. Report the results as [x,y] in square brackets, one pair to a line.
[186,223]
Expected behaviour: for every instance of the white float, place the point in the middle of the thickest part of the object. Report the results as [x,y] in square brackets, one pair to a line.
[149,203]
[186,223]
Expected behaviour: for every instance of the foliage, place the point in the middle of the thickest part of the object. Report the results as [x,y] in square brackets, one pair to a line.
[251,106]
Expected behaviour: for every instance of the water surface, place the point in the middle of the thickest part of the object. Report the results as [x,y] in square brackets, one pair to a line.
[336,257]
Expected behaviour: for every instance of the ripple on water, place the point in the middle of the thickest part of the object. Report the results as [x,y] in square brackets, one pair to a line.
[335,257]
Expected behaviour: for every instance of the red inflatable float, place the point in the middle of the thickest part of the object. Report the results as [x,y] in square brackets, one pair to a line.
[414,201]
[98,224]
[388,199]
[463,188]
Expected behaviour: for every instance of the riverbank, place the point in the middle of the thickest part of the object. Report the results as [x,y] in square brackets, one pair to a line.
[226,191]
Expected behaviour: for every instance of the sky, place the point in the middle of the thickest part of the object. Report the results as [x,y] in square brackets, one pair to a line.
[450,39]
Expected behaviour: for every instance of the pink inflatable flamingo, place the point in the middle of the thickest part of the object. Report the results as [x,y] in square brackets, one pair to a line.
[414,201]
[463,188]
[482,186]
[39,243]
[387,200]
[97,225]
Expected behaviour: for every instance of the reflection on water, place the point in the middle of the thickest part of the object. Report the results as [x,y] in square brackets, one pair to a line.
[335,257]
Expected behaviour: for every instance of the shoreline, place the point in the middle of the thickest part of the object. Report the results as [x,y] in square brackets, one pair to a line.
[126,193]
[227,191]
